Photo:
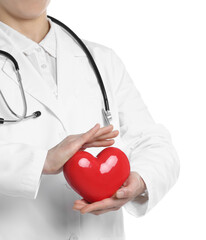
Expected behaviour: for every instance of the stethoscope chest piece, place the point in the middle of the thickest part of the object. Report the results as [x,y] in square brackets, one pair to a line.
[106,112]
[107,116]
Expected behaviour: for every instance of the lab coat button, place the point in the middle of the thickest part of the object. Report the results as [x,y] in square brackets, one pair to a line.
[43,66]
[73,237]
[38,49]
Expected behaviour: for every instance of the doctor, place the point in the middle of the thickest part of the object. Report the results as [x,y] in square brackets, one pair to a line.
[35,200]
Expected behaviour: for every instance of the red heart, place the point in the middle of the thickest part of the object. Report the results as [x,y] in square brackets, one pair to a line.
[96,178]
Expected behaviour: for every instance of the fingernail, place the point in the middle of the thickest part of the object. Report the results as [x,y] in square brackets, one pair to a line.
[120,194]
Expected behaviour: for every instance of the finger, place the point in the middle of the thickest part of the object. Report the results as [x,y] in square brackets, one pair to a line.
[108,135]
[126,182]
[126,192]
[87,135]
[104,211]
[78,206]
[104,130]
[101,133]
[60,170]
[100,143]
[83,147]
[100,205]
[83,201]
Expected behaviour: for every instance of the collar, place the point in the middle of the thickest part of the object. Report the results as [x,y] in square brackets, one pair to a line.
[26,45]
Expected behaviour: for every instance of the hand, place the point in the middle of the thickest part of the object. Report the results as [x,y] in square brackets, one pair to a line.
[62,152]
[131,188]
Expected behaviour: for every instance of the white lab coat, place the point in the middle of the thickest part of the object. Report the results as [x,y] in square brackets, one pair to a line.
[35,206]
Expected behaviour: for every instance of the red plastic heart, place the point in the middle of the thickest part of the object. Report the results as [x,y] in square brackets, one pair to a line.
[97,178]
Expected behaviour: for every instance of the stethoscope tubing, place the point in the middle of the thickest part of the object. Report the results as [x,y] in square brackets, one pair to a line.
[90,58]
[106,112]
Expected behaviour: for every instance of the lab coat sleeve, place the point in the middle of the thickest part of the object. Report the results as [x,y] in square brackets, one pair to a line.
[21,167]
[149,145]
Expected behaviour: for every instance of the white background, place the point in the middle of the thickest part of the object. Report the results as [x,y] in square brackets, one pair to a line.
[163,46]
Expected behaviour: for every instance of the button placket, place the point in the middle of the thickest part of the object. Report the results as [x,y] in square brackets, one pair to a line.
[45,72]
[41,58]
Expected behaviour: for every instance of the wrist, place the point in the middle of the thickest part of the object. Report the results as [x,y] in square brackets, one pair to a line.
[142,185]
[46,168]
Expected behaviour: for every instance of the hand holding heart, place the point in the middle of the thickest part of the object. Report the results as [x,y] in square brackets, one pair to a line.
[95,137]
[97,178]
[131,188]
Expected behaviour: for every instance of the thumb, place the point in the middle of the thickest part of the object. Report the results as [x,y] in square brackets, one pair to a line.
[126,183]
[124,191]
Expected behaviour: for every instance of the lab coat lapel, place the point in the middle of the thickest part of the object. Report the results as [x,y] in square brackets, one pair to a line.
[77,84]
[69,56]
[33,83]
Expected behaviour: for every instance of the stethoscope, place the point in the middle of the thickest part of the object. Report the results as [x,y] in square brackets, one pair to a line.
[106,112]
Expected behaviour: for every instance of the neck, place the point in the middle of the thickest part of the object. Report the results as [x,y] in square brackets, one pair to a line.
[35,29]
